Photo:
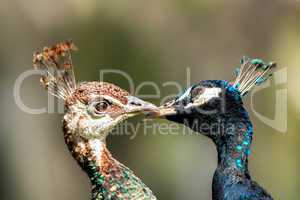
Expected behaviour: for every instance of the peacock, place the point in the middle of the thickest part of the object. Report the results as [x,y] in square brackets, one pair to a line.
[215,109]
[92,110]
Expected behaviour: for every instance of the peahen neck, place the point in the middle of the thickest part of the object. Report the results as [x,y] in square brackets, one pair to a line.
[109,178]
[89,154]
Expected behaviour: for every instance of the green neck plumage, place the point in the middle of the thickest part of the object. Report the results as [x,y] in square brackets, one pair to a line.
[109,178]
[97,180]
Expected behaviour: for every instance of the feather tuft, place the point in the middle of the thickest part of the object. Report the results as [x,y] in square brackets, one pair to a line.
[252,72]
[58,75]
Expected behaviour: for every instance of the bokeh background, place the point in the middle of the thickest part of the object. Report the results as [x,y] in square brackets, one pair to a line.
[151,41]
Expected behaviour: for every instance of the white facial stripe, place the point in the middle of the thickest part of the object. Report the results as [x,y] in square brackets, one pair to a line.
[204,97]
[211,92]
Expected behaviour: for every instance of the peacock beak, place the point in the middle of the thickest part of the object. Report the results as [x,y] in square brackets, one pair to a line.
[181,105]
[137,106]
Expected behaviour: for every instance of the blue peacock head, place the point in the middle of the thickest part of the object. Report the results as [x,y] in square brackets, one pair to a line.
[212,106]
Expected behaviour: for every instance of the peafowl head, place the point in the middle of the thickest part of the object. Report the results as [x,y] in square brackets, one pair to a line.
[92,109]
[213,106]
[95,108]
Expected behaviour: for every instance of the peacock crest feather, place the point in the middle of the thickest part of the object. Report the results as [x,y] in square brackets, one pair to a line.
[252,72]
[233,140]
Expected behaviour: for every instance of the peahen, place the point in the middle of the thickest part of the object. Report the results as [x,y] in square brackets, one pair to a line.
[215,108]
[92,110]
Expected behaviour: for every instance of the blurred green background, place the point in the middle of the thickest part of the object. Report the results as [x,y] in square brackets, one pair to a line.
[151,41]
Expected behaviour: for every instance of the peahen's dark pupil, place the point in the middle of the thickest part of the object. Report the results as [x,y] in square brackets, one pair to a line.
[101,106]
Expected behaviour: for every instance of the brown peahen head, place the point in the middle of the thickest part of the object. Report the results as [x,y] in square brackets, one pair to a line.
[95,108]
[92,110]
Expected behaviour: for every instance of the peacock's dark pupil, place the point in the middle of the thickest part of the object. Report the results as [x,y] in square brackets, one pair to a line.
[197,91]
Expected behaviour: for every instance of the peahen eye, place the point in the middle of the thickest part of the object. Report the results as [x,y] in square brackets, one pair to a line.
[101,106]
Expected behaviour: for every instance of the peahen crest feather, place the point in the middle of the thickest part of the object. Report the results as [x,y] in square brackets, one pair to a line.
[57,69]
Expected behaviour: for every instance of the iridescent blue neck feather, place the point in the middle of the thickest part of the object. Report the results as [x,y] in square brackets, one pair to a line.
[230,128]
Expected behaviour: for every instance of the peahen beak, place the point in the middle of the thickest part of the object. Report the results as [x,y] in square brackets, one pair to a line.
[137,106]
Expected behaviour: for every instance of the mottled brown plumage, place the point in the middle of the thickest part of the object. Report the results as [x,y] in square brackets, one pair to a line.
[88,90]
[92,110]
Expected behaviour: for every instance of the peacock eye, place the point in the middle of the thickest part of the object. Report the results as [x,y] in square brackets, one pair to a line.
[101,106]
[197,91]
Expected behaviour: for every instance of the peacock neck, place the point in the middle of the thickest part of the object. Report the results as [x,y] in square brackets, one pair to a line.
[234,147]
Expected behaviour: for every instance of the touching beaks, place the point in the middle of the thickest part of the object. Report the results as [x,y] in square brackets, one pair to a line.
[172,107]
[137,106]
[164,110]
